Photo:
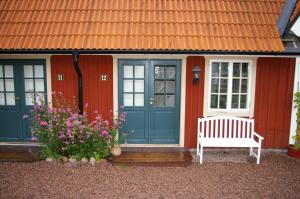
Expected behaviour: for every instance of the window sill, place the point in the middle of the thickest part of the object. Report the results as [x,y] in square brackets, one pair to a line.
[238,113]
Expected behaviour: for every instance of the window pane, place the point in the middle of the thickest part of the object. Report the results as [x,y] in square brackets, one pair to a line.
[244,86]
[128,85]
[223,86]
[170,100]
[29,98]
[170,86]
[236,69]
[39,85]
[139,71]
[224,69]
[1,71]
[214,101]
[159,72]
[2,100]
[139,99]
[9,85]
[159,87]
[10,99]
[40,98]
[215,69]
[139,85]
[245,69]
[1,85]
[128,71]
[170,72]
[128,99]
[223,101]
[39,71]
[28,72]
[9,71]
[159,100]
[214,85]
[236,86]
[29,85]
[235,101]
[243,103]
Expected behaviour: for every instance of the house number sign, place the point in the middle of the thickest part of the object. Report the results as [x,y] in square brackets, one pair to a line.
[103,77]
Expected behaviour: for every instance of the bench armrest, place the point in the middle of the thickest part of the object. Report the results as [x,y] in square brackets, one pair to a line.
[257,135]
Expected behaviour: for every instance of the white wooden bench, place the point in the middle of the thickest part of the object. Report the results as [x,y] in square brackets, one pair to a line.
[227,131]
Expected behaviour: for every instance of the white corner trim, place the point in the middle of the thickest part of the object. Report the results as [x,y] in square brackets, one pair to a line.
[49,82]
[293,124]
[182,90]
[248,113]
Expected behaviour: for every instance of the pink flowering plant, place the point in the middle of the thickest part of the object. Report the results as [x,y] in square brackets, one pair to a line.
[62,131]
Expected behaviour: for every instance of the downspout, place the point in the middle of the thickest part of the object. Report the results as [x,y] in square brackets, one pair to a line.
[75,55]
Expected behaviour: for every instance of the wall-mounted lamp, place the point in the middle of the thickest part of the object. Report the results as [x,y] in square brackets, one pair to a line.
[196,72]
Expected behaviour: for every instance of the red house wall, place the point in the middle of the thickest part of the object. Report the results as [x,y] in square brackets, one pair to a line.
[194,100]
[273,100]
[98,94]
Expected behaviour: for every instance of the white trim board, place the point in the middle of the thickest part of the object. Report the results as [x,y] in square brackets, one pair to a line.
[293,124]
[182,91]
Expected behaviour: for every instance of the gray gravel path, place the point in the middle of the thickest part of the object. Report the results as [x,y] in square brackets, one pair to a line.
[276,177]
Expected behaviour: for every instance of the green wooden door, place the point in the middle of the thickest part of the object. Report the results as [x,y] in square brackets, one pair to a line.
[149,90]
[21,82]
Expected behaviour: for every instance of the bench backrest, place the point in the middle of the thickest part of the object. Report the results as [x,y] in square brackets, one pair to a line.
[226,127]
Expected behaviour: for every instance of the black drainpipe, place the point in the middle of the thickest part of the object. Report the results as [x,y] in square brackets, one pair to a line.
[79,82]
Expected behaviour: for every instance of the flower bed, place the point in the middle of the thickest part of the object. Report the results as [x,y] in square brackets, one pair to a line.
[63,132]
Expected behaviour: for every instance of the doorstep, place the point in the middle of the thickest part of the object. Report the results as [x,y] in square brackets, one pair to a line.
[19,152]
[173,157]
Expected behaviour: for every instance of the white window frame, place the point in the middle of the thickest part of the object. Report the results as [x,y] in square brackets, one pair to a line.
[229,110]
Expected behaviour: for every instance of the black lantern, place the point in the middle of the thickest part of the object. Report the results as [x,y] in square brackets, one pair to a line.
[196,71]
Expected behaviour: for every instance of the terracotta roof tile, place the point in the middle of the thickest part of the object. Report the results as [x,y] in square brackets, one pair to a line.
[221,25]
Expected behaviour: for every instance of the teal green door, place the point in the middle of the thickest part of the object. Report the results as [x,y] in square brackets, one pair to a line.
[149,90]
[21,83]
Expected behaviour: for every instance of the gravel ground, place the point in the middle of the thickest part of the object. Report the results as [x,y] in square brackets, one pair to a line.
[276,177]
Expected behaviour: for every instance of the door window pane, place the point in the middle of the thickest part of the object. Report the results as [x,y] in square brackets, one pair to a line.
[170,100]
[40,98]
[28,72]
[1,85]
[128,71]
[159,87]
[159,72]
[1,71]
[159,100]
[139,85]
[170,72]
[9,85]
[128,85]
[9,71]
[39,71]
[2,100]
[139,72]
[170,86]
[10,99]
[39,85]
[139,99]
[29,85]
[128,99]
[29,98]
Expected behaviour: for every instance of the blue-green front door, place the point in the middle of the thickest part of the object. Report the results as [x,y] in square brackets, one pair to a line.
[21,82]
[149,90]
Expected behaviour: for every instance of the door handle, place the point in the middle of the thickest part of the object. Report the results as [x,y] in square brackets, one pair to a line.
[151,100]
[17,97]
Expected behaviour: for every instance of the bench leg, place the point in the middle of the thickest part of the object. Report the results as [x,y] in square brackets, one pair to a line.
[201,154]
[197,146]
[258,155]
[251,151]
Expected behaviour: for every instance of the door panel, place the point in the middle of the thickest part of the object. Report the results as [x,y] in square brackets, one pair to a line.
[20,81]
[150,93]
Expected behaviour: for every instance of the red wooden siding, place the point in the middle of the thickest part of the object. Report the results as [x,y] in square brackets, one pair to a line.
[273,100]
[98,94]
[194,100]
